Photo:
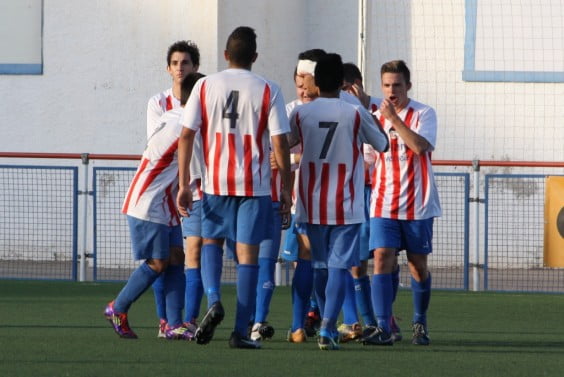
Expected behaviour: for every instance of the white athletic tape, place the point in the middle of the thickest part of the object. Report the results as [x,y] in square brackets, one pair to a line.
[306,67]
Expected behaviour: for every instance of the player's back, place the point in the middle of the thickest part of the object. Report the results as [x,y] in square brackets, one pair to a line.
[239,112]
[331,169]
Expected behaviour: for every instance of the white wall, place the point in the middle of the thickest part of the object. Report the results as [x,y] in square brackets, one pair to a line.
[102,59]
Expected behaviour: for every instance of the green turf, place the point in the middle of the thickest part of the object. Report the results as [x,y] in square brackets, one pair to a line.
[57,329]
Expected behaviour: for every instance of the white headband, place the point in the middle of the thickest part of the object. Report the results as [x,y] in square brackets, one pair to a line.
[306,66]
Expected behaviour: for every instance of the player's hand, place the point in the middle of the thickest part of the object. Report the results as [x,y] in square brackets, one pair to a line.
[285,206]
[273,164]
[387,109]
[357,91]
[184,201]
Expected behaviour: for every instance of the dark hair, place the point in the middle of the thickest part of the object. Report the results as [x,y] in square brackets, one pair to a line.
[329,73]
[396,66]
[352,72]
[187,85]
[188,47]
[242,46]
[314,54]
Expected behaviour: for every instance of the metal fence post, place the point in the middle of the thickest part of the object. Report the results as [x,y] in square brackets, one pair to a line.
[83,252]
[476,201]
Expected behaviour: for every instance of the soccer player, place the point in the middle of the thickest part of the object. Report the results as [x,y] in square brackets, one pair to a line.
[183,57]
[404,202]
[154,226]
[241,117]
[331,175]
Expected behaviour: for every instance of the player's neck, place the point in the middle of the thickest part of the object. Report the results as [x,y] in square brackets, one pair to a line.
[239,66]
[176,91]
[333,94]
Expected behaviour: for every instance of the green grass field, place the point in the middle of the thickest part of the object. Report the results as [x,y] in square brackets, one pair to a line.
[57,329]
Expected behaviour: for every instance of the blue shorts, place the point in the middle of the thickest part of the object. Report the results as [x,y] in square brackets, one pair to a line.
[239,218]
[152,240]
[291,247]
[270,247]
[192,225]
[334,246]
[365,251]
[413,236]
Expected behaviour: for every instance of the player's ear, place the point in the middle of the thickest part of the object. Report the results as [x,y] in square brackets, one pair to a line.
[408,85]
[226,55]
[255,57]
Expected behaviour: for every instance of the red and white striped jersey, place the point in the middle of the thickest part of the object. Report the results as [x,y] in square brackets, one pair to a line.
[152,193]
[237,112]
[159,104]
[331,173]
[403,184]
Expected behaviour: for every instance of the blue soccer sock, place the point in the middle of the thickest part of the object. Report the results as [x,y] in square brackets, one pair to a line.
[265,288]
[160,300]
[421,298]
[320,276]
[193,294]
[174,286]
[212,265]
[382,293]
[363,295]
[139,281]
[335,295]
[302,284]
[395,282]
[350,315]
[247,278]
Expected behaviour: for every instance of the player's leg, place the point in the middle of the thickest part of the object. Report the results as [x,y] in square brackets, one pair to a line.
[175,285]
[192,232]
[341,253]
[218,221]
[302,284]
[385,238]
[160,304]
[149,241]
[350,329]
[254,225]
[268,255]
[419,234]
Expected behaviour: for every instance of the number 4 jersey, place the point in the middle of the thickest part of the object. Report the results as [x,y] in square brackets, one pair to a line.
[237,112]
[331,173]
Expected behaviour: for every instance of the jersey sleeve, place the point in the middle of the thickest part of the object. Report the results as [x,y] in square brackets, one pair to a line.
[154,112]
[370,133]
[427,126]
[277,118]
[192,114]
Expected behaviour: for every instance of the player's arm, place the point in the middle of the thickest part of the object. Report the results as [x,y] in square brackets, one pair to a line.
[281,152]
[414,141]
[371,131]
[185,146]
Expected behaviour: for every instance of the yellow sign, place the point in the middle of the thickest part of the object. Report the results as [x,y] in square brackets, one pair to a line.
[554,222]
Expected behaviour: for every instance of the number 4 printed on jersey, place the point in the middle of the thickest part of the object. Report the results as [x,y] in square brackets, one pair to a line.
[230,109]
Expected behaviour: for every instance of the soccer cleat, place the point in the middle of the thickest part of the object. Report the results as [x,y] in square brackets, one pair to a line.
[162,327]
[378,337]
[179,332]
[238,341]
[420,335]
[298,336]
[212,318]
[312,322]
[327,343]
[261,331]
[348,333]
[119,322]
[396,331]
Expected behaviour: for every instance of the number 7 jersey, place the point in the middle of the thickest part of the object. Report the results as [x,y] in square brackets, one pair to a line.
[237,112]
[331,172]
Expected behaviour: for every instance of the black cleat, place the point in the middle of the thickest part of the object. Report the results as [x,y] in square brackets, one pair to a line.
[237,341]
[420,335]
[213,317]
[378,337]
